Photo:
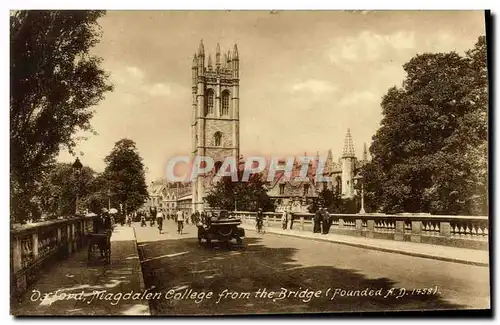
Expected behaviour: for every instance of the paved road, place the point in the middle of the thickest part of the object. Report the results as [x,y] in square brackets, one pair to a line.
[272,262]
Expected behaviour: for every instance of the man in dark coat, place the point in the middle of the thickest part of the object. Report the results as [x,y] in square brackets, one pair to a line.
[102,222]
[326,221]
[318,216]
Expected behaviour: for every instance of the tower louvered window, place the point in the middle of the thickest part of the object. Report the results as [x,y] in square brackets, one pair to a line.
[210,101]
[225,104]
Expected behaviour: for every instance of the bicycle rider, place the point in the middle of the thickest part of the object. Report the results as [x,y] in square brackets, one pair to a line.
[159,220]
[259,219]
[180,221]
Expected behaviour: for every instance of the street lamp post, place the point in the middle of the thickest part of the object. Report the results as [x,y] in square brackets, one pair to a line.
[109,199]
[77,168]
[359,178]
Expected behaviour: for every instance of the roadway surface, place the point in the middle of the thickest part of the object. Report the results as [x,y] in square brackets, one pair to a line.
[362,278]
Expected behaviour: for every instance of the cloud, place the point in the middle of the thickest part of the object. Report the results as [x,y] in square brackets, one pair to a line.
[358,98]
[159,89]
[314,86]
[443,41]
[126,75]
[135,72]
[132,81]
[370,46]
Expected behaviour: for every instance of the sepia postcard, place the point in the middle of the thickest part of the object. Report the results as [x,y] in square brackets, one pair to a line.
[217,163]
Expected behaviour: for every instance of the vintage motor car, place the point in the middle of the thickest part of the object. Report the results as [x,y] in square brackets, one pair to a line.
[220,226]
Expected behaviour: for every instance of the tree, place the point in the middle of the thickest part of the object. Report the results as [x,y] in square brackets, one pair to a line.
[325,199]
[54,82]
[245,196]
[98,196]
[125,175]
[60,187]
[430,153]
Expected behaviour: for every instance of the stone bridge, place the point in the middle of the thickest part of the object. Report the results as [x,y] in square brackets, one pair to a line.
[442,262]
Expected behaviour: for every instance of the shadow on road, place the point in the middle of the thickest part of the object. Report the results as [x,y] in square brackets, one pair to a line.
[182,264]
[74,284]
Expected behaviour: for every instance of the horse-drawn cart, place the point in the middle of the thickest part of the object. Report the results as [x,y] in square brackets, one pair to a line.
[99,243]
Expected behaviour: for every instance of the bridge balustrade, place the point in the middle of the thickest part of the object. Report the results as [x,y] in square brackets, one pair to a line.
[36,246]
[458,231]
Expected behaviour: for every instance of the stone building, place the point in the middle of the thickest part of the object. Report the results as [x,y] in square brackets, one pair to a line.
[168,196]
[215,133]
[341,173]
[215,112]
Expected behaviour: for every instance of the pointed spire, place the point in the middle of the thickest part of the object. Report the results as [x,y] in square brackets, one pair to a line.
[195,61]
[365,152]
[210,61]
[228,56]
[217,55]
[235,53]
[201,49]
[348,151]
[329,162]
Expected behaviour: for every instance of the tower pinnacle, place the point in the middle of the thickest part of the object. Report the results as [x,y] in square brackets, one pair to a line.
[348,151]
[217,55]
[201,49]
[195,61]
[329,162]
[235,52]
[365,152]
[209,61]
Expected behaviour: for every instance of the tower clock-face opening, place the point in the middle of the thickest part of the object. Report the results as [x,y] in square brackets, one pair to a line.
[218,139]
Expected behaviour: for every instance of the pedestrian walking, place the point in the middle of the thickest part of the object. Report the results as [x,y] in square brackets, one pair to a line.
[284,219]
[318,216]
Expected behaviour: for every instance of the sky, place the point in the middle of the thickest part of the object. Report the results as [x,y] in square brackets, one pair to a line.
[305,76]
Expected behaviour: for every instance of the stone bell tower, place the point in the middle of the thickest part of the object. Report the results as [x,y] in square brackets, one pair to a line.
[215,111]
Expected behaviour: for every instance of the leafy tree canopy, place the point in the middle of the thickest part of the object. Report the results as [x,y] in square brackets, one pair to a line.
[125,175]
[60,187]
[245,196]
[430,153]
[54,82]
